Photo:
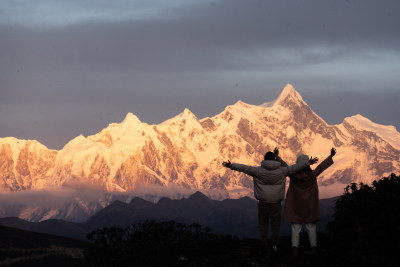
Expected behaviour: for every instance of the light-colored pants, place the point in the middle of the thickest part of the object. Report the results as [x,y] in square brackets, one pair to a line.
[312,234]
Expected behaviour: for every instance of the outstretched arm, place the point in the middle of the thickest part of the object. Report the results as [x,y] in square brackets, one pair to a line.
[326,163]
[240,167]
[292,169]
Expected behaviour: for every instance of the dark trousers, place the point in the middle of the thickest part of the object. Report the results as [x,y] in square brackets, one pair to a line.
[267,211]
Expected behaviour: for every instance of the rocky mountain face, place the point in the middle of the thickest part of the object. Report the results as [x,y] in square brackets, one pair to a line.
[188,151]
[24,164]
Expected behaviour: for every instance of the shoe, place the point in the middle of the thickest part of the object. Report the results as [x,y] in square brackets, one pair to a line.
[295,251]
[314,250]
[268,254]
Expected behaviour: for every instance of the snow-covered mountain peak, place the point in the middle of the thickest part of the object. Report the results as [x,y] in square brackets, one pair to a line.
[79,139]
[184,116]
[187,114]
[231,111]
[288,96]
[9,140]
[17,144]
[234,113]
[241,107]
[13,142]
[131,119]
[386,132]
[240,103]
[362,123]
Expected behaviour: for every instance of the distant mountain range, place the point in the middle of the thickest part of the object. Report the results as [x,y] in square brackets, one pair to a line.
[230,216]
[187,152]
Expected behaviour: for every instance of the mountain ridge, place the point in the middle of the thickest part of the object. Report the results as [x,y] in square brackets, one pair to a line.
[187,151]
[229,216]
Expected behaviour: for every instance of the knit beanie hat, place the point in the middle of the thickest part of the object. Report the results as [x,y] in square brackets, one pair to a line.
[302,158]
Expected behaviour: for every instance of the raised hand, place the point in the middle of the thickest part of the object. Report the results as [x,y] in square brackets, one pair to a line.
[276,152]
[227,164]
[313,160]
[333,151]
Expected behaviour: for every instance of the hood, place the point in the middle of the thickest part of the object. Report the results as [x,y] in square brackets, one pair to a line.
[270,164]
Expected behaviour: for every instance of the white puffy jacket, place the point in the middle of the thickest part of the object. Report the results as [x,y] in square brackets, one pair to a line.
[269,178]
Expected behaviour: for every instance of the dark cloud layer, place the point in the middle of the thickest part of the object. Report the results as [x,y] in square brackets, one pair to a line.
[59,81]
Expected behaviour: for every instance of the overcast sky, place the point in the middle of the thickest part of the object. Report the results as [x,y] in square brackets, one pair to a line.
[74,66]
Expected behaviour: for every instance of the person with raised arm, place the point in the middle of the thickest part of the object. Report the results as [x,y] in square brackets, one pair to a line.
[269,189]
[302,200]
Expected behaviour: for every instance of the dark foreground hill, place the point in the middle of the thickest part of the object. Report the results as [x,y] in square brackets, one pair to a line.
[151,246]
[231,216]
[170,243]
[24,248]
[52,227]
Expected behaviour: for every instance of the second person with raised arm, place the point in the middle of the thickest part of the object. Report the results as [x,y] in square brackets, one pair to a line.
[302,200]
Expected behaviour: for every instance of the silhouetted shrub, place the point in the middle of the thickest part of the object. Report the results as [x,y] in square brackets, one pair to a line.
[365,230]
[153,243]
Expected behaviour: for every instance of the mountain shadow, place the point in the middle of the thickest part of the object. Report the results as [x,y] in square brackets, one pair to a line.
[231,216]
